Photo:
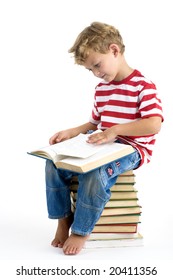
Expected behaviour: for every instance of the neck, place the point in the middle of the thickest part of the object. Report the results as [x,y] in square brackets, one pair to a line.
[124,72]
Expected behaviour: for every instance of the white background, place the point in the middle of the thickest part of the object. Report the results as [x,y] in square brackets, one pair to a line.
[42,91]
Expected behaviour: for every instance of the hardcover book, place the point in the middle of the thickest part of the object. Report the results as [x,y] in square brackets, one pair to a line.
[77,155]
[115,228]
[136,240]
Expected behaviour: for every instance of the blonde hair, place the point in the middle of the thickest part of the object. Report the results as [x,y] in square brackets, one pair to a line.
[97,37]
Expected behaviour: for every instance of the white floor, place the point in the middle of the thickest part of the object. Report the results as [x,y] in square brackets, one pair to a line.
[30,240]
[26,242]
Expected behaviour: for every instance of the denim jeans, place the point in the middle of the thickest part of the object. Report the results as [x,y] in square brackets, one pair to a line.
[93,191]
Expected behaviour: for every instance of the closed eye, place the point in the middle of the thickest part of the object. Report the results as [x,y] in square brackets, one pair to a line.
[94,66]
[97,65]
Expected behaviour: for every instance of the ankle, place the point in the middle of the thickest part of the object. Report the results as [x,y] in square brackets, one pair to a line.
[67,221]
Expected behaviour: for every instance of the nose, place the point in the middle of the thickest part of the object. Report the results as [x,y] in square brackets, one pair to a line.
[96,73]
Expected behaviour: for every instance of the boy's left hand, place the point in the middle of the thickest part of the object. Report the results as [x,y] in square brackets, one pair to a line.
[102,137]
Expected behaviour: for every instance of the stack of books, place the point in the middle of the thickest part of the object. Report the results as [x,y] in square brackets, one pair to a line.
[118,224]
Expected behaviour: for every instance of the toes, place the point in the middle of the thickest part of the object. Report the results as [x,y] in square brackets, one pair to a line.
[56,243]
[70,250]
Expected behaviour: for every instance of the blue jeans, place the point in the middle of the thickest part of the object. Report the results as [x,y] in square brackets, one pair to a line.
[93,191]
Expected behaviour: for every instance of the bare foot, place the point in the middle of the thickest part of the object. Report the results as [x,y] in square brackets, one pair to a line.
[74,244]
[62,232]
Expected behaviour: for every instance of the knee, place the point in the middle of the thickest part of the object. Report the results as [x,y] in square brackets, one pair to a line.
[92,187]
[49,168]
[88,182]
[51,174]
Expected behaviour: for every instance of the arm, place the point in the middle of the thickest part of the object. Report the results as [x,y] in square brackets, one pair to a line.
[142,127]
[71,132]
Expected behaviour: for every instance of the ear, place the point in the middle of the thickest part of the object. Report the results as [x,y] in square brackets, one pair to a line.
[114,49]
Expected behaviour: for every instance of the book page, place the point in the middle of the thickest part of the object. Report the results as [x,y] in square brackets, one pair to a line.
[47,154]
[75,147]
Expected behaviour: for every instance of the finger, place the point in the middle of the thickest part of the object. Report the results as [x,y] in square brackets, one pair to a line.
[100,141]
[96,140]
[54,139]
[94,137]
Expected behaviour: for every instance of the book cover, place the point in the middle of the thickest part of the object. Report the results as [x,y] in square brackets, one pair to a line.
[115,228]
[122,242]
[122,203]
[123,187]
[114,203]
[115,195]
[112,236]
[123,195]
[126,179]
[117,187]
[135,218]
[128,173]
[121,211]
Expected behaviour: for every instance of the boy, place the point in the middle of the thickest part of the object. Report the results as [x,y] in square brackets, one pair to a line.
[127,109]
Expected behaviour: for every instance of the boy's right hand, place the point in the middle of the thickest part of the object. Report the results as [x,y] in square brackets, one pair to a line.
[61,136]
[71,132]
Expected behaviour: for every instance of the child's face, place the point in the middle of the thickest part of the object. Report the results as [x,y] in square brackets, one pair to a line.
[104,66]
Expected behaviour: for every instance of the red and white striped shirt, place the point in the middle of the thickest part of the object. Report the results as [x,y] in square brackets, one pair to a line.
[129,100]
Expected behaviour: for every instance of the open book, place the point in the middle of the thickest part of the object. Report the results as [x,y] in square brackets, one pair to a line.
[77,155]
